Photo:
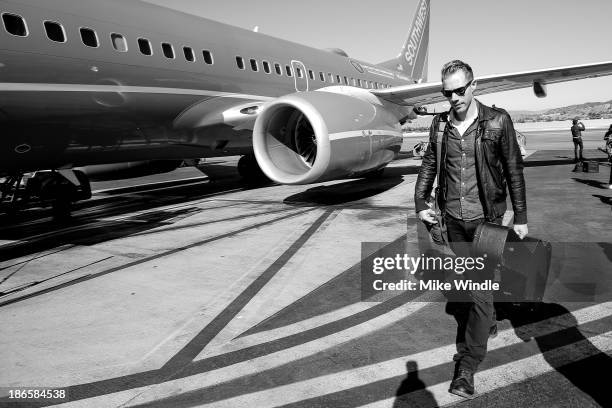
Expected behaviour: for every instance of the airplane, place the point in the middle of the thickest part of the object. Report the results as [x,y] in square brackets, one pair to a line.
[89,82]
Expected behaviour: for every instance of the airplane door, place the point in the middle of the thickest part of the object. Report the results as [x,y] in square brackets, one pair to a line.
[300,76]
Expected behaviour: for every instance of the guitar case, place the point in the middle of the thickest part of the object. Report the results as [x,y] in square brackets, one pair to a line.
[524,264]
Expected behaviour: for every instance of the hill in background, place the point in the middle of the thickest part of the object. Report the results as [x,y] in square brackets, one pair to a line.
[584,111]
[589,110]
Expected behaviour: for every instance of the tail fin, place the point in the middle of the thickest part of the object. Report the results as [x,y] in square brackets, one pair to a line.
[412,61]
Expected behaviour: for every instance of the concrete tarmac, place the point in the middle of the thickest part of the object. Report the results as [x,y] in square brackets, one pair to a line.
[212,293]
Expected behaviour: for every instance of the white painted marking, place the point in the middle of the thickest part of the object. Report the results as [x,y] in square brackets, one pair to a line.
[510,373]
[360,376]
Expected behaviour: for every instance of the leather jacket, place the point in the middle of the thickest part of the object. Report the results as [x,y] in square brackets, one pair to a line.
[499,164]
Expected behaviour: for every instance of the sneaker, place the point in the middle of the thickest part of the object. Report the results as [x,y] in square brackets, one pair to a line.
[463,384]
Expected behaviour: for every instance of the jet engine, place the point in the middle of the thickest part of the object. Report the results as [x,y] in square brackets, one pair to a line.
[309,137]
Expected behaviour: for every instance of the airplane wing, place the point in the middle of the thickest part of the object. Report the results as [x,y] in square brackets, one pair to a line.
[429,93]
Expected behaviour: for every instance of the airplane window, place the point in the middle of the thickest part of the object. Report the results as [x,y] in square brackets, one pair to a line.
[353,81]
[89,37]
[119,42]
[55,31]
[189,56]
[338,80]
[311,74]
[145,46]
[254,65]
[207,57]
[345,81]
[359,82]
[266,66]
[299,72]
[322,76]
[375,85]
[278,69]
[15,24]
[240,62]
[331,78]
[289,71]
[168,50]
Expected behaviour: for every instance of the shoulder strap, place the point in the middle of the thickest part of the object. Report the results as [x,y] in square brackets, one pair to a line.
[439,120]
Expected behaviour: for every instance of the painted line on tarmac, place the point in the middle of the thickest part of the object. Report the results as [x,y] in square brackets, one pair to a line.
[153,257]
[510,373]
[345,380]
[288,330]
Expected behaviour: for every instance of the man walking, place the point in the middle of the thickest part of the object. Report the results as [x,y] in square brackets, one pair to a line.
[479,159]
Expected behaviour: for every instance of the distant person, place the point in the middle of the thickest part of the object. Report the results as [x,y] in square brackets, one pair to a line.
[481,159]
[608,143]
[577,129]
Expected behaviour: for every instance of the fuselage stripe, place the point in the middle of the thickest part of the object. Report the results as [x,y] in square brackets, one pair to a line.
[42,87]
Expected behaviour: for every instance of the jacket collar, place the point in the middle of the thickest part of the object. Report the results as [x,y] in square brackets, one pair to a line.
[484,112]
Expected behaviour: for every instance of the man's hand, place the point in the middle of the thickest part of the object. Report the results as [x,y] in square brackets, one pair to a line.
[428,216]
[520,229]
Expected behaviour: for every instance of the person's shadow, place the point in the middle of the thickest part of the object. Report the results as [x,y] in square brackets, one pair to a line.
[412,392]
[589,374]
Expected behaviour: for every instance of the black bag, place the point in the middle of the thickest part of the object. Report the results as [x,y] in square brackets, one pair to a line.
[524,264]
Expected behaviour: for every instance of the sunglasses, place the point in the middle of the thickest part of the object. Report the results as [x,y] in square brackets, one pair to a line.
[458,91]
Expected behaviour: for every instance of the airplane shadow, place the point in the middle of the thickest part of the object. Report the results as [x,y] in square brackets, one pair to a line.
[345,192]
[83,233]
[589,374]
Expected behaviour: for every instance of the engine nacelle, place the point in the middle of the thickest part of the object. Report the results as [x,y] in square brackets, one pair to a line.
[309,137]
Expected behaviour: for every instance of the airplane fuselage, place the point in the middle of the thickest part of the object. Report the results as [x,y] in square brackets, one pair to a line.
[67,103]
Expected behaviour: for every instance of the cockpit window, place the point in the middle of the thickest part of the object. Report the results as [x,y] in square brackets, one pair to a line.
[15,24]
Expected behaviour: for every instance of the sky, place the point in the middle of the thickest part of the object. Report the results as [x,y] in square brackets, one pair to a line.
[493,36]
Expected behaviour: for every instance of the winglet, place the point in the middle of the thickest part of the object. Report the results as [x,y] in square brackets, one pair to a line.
[412,61]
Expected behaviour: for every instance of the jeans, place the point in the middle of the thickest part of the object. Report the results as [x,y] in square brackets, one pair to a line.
[476,315]
[578,144]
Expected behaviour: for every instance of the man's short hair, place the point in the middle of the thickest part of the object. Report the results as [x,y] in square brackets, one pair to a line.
[575,121]
[457,65]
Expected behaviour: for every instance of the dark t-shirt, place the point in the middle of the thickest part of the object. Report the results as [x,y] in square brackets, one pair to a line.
[577,130]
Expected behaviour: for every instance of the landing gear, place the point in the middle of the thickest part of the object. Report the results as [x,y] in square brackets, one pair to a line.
[58,189]
[11,195]
[249,170]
